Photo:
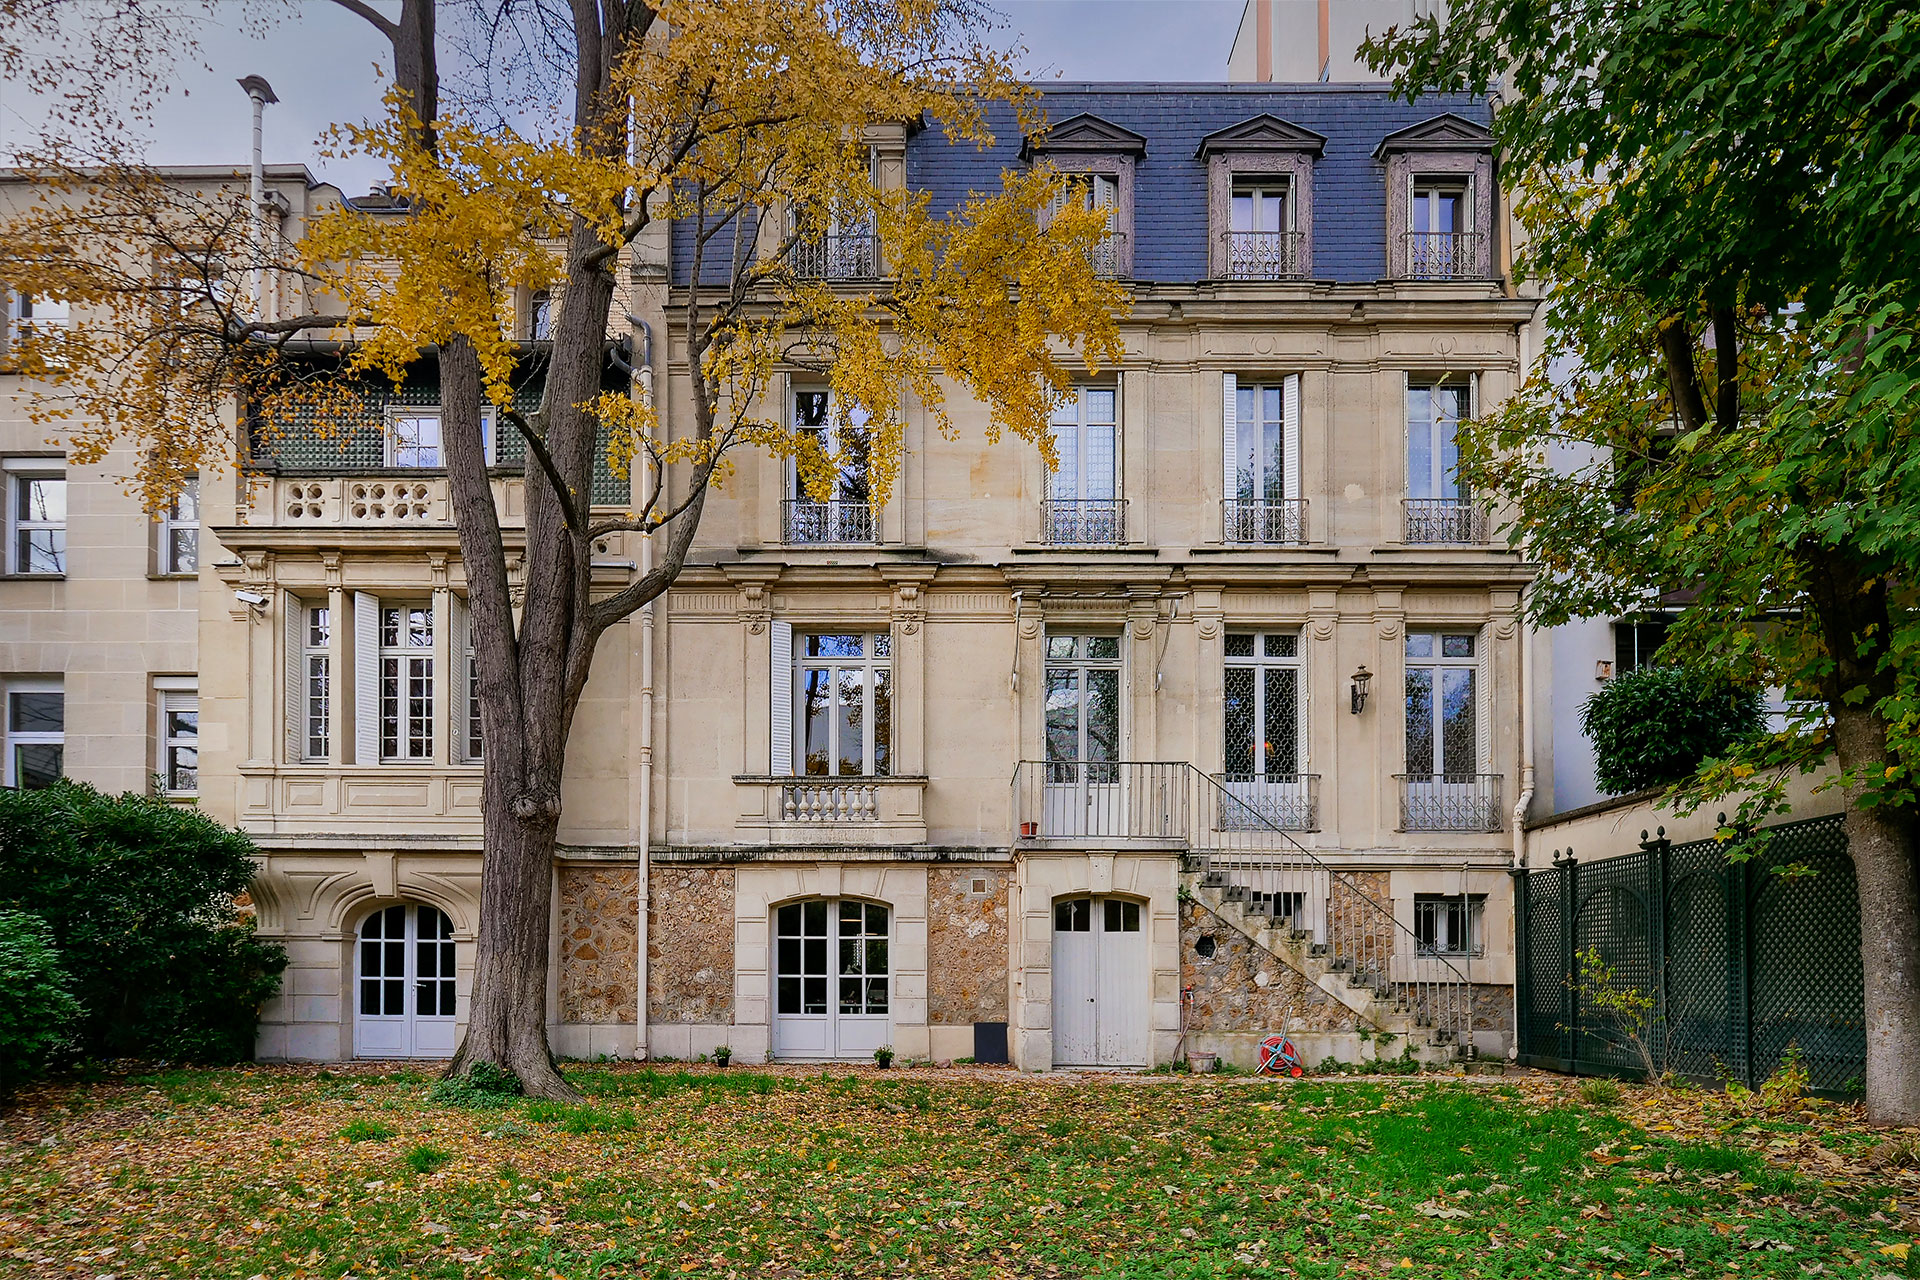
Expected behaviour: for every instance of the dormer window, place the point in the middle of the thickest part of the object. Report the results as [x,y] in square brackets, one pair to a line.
[1098,158]
[1439,224]
[1260,199]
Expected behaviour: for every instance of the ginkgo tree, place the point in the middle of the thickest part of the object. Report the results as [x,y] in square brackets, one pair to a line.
[740,122]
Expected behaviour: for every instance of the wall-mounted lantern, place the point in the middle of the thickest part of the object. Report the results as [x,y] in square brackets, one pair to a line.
[1361,679]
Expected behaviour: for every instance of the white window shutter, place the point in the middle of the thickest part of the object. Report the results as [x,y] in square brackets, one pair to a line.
[1230,436]
[366,678]
[462,653]
[1290,436]
[1473,397]
[296,693]
[1483,699]
[780,702]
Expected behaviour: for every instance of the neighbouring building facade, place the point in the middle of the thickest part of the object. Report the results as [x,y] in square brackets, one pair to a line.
[1214,731]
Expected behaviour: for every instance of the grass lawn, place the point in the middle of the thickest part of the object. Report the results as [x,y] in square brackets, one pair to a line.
[281,1172]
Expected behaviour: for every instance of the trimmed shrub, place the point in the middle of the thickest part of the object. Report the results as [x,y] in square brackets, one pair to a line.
[140,897]
[37,1010]
[1654,726]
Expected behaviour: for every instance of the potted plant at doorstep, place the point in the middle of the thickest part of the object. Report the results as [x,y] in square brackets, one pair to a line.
[883,1057]
[723,1055]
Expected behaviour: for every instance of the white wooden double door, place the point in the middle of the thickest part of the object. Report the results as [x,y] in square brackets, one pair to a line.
[833,979]
[404,985]
[1101,983]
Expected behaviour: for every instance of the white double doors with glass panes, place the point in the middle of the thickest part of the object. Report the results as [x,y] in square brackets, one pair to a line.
[1101,983]
[1084,790]
[404,984]
[832,979]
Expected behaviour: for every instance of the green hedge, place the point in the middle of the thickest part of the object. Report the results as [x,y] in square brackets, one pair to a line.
[1654,726]
[37,1008]
[139,897]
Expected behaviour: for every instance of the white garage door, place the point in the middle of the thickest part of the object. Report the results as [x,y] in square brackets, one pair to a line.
[1100,983]
[403,983]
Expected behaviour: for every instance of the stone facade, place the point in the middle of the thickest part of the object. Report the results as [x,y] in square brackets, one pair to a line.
[690,945]
[599,944]
[966,945]
[1241,988]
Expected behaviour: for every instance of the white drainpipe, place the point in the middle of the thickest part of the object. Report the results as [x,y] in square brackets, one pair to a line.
[261,93]
[642,1050]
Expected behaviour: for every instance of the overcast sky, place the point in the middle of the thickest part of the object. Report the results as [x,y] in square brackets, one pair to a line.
[321,64]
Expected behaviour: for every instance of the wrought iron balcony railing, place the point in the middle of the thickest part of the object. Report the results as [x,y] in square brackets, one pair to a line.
[808,522]
[1446,255]
[1288,801]
[1264,255]
[1460,521]
[1268,521]
[844,256]
[1449,801]
[1085,521]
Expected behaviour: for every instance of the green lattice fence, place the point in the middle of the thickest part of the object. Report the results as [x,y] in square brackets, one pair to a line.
[347,438]
[1742,959]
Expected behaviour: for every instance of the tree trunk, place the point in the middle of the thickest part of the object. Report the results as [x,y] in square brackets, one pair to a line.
[507,1019]
[1882,844]
[1851,604]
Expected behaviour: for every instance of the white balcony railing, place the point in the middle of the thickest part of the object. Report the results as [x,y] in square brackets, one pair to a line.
[375,502]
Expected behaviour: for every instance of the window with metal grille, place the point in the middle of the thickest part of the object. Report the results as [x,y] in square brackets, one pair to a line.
[844,693]
[1264,727]
[406,682]
[1449,924]
[316,666]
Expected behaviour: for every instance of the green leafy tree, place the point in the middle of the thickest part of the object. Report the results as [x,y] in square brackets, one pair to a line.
[1656,726]
[139,896]
[37,1008]
[1721,199]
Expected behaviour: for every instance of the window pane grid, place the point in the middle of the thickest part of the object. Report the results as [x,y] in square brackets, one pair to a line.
[406,683]
[180,532]
[38,513]
[35,736]
[179,743]
[845,695]
[318,666]
[1262,705]
[1442,727]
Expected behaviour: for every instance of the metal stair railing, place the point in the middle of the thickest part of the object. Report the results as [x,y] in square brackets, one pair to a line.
[1253,858]
[1331,911]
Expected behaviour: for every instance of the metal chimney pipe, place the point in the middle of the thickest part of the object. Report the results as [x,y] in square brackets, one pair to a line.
[261,93]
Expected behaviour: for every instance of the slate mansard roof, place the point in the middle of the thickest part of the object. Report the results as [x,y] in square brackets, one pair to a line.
[1170,184]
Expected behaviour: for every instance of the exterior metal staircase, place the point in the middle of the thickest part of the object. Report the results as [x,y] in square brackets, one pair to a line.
[1242,863]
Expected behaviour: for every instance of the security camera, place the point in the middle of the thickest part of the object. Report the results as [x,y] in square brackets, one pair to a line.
[253,598]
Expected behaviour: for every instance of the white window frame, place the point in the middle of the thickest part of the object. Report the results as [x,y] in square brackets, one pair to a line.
[316,693]
[1428,189]
[182,515]
[17,738]
[396,414]
[1435,481]
[405,666]
[869,665]
[1439,663]
[24,311]
[1440,910]
[20,472]
[540,315]
[833,439]
[174,695]
[1071,427]
[1262,188]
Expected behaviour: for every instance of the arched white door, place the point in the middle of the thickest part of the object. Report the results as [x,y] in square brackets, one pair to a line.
[403,984]
[832,979]
[1100,983]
